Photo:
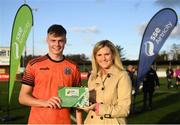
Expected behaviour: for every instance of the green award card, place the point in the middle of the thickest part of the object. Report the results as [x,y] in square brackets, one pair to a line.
[74,96]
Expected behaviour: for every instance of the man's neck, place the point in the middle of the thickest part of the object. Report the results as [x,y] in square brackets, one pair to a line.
[56,57]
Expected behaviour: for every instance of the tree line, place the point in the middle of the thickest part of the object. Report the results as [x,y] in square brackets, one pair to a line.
[173,54]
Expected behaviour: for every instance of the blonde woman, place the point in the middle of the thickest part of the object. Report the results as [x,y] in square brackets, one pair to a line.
[112,86]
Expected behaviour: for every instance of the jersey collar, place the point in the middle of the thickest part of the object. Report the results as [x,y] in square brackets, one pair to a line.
[55,60]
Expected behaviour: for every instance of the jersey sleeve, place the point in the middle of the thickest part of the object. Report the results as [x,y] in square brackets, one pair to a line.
[28,76]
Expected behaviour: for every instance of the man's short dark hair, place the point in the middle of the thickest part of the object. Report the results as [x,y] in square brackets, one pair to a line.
[57,30]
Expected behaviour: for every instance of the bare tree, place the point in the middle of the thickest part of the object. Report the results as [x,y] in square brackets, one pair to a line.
[162,56]
[78,58]
[121,52]
[175,51]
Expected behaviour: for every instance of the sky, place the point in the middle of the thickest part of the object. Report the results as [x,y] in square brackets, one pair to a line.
[87,22]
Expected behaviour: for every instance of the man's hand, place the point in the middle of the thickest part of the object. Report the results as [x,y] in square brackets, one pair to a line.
[53,102]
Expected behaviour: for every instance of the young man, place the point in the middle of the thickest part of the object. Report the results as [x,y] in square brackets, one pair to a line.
[177,74]
[42,78]
[150,81]
[169,76]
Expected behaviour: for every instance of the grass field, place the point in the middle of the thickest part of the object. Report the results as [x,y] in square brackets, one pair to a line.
[166,107]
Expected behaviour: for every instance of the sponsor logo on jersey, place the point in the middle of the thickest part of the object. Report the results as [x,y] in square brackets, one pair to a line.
[44,68]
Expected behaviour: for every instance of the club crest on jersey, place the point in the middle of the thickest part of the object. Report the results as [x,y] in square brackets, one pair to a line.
[67,71]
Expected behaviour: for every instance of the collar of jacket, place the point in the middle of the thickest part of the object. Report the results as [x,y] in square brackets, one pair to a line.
[110,72]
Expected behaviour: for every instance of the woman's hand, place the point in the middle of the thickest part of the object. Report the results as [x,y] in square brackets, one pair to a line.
[88,108]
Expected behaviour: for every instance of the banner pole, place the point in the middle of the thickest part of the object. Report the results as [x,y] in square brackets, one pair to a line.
[157,31]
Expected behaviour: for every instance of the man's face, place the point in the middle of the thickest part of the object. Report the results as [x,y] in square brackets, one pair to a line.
[56,44]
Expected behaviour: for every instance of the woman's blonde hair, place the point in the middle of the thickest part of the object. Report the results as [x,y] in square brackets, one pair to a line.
[116,57]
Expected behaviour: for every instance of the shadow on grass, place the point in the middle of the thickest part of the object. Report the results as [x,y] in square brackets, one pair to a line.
[9,118]
[167,103]
[18,115]
[138,101]
[155,95]
[171,118]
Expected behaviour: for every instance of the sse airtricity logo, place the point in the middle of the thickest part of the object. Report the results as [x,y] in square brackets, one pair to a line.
[149,48]
[20,38]
[156,38]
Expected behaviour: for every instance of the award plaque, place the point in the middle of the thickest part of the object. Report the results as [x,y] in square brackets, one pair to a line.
[74,96]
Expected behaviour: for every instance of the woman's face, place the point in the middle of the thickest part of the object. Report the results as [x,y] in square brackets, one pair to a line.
[104,58]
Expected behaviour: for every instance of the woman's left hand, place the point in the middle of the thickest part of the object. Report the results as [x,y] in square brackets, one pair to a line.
[88,108]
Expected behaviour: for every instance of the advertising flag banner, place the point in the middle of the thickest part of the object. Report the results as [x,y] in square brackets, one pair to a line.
[21,28]
[155,34]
